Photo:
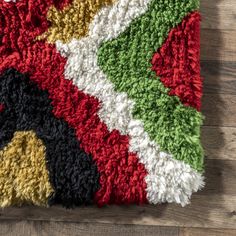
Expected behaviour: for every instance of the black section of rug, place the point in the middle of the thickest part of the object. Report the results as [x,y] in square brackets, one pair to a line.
[73,174]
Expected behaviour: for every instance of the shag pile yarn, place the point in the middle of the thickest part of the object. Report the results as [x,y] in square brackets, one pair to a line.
[100,102]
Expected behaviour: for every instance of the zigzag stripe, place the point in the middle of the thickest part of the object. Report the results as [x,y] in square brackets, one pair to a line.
[126,61]
[168,179]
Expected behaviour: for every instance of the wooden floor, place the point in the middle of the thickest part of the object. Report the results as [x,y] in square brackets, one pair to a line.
[213,210]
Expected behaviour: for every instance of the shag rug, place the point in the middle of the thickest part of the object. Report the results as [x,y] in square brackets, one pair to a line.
[99,102]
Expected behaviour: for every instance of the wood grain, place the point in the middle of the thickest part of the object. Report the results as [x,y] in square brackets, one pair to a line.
[210,210]
[219,142]
[218,14]
[208,232]
[220,178]
[218,45]
[42,228]
[219,110]
[218,77]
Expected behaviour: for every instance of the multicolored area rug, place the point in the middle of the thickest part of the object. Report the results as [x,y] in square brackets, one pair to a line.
[99,102]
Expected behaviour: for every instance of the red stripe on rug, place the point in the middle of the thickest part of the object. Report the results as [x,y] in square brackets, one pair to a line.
[177,62]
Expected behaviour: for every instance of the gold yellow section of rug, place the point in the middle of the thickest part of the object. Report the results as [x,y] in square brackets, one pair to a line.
[73,21]
[23,173]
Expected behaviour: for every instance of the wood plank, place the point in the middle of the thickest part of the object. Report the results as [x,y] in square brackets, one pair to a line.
[220,176]
[218,45]
[218,14]
[219,109]
[211,211]
[208,232]
[219,77]
[42,228]
[219,142]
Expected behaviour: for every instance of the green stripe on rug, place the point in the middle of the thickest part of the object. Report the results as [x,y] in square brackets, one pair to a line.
[126,62]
